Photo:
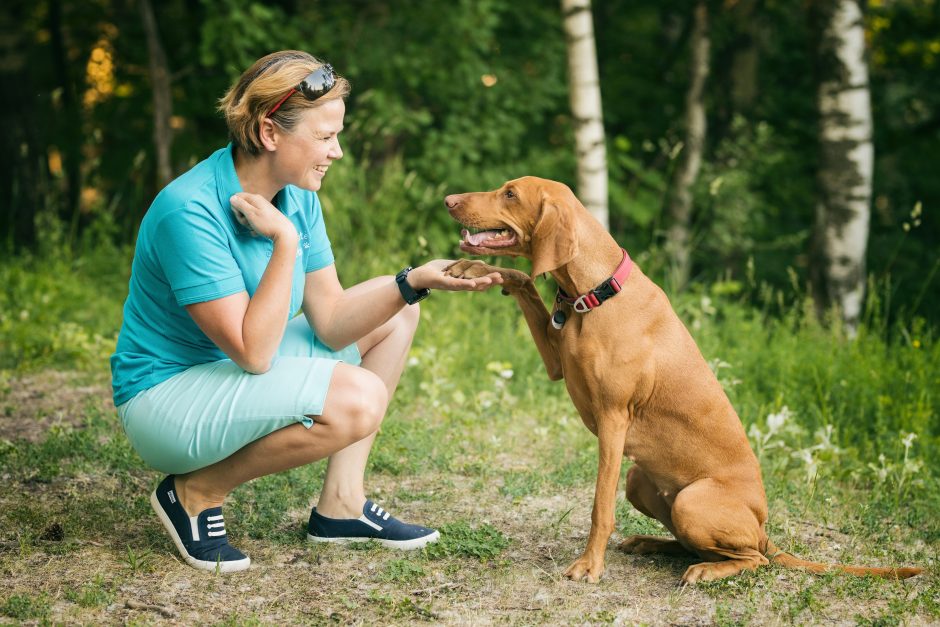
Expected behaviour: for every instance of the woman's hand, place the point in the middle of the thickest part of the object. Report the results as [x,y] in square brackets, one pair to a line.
[431,275]
[261,217]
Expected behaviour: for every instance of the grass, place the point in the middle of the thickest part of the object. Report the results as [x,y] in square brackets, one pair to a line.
[480,444]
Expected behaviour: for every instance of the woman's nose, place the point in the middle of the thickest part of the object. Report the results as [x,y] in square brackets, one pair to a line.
[336,152]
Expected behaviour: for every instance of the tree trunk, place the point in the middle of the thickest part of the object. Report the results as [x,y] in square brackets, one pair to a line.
[585,96]
[846,160]
[69,124]
[679,209]
[23,179]
[744,63]
[162,96]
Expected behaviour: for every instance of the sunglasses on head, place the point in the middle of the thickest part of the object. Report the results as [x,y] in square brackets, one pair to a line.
[317,83]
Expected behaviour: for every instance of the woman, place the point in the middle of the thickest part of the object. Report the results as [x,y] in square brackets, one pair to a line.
[214,382]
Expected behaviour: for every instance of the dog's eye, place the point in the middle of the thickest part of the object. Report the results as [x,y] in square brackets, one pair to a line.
[509,194]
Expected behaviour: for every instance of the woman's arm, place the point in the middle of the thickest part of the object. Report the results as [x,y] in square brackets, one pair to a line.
[340,317]
[250,330]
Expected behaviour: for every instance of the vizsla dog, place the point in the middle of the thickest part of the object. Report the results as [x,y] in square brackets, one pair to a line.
[638,381]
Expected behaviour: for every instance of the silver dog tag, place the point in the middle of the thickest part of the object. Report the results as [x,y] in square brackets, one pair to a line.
[558,319]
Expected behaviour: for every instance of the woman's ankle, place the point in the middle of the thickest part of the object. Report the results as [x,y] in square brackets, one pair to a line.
[340,507]
[193,499]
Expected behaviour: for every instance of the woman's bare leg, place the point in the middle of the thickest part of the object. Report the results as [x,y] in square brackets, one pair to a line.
[384,352]
[355,406]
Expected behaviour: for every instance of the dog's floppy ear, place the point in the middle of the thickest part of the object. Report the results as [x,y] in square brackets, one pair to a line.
[554,242]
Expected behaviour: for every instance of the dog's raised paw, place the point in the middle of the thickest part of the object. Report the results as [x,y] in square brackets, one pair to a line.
[474,269]
[468,269]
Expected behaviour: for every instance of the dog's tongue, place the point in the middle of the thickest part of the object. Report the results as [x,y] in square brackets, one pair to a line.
[475,239]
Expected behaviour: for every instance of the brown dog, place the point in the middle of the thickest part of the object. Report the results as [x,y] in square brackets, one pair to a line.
[637,379]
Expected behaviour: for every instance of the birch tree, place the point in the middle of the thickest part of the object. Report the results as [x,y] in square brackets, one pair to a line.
[679,208]
[585,96]
[846,159]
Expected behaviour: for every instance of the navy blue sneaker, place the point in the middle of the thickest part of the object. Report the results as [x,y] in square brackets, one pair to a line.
[374,524]
[201,539]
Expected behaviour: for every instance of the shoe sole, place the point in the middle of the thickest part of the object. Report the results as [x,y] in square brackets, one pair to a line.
[222,567]
[401,545]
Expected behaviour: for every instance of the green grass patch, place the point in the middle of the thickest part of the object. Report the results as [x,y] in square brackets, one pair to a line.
[846,431]
[460,539]
[26,606]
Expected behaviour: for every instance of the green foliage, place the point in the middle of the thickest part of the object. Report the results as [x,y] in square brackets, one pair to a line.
[94,594]
[460,96]
[460,539]
[25,606]
[402,570]
[236,33]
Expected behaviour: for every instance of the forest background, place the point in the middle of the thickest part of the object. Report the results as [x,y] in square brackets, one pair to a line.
[103,101]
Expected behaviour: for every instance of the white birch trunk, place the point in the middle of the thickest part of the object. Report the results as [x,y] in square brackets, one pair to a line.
[678,242]
[585,96]
[846,159]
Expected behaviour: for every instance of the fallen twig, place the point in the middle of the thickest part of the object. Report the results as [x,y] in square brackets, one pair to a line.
[819,526]
[443,586]
[166,612]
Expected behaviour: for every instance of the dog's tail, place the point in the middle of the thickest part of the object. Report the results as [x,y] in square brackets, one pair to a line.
[776,556]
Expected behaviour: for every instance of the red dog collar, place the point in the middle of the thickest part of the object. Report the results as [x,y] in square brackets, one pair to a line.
[597,296]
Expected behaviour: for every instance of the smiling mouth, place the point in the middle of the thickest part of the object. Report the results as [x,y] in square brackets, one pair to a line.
[488,239]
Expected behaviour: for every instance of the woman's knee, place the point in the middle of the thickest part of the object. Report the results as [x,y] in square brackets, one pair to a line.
[356,401]
[409,317]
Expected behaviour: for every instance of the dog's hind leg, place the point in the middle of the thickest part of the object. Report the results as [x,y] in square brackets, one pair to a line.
[717,521]
[649,545]
[645,498]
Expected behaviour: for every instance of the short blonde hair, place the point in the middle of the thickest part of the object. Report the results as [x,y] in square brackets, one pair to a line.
[261,86]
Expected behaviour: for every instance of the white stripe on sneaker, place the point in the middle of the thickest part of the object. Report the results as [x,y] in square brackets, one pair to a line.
[213,534]
[370,523]
[214,525]
[194,525]
[214,518]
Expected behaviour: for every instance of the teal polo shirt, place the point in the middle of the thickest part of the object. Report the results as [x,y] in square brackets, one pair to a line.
[191,249]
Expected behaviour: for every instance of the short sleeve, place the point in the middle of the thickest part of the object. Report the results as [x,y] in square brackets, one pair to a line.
[318,251]
[193,250]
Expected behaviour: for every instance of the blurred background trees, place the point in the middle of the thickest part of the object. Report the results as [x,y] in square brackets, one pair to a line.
[102,100]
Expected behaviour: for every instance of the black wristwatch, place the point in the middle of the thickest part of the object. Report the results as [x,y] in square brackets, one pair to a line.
[410,294]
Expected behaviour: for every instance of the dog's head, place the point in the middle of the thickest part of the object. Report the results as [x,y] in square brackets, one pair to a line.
[528,217]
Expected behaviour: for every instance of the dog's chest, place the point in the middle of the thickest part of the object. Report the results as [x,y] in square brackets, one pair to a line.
[591,357]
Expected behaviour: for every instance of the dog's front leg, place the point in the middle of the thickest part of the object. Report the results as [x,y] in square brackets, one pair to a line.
[537,318]
[521,287]
[611,434]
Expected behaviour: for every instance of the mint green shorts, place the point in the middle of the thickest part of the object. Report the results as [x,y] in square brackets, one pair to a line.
[206,413]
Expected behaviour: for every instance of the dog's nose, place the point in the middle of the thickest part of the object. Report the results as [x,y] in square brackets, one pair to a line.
[452,201]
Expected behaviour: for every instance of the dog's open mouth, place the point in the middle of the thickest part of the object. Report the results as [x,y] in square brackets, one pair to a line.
[488,239]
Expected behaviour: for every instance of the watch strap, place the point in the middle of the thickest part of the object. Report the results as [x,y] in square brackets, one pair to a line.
[410,294]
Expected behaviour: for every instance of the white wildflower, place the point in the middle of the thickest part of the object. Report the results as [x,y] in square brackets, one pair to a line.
[908,440]
[776,421]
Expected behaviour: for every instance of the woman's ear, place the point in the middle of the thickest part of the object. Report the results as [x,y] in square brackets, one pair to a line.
[553,239]
[267,133]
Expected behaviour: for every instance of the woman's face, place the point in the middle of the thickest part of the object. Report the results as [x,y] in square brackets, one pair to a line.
[305,153]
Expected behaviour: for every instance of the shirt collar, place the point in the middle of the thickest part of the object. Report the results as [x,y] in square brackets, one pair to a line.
[227,185]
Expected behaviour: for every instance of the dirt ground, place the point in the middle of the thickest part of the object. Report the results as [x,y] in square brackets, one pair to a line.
[123,570]
[30,404]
